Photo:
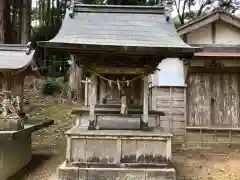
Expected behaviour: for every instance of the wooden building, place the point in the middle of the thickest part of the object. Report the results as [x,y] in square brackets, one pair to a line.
[212,76]
[16,62]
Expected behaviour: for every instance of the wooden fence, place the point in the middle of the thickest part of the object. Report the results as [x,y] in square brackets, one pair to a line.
[172,101]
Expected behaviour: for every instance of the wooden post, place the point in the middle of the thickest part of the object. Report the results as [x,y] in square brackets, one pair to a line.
[86,93]
[93,96]
[170,108]
[185,115]
[145,99]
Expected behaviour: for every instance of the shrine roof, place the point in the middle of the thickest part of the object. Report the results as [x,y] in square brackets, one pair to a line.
[15,56]
[210,18]
[125,28]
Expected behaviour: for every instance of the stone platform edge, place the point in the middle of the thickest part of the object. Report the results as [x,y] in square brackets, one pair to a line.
[80,173]
[83,131]
[31,126]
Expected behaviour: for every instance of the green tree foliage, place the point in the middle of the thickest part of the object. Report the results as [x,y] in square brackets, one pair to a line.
[51,86]
[185,12]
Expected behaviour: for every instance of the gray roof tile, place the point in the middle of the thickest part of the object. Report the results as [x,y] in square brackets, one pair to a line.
[14,56]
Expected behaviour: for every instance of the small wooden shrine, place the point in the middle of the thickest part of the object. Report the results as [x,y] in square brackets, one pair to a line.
[118,47]
[15,63]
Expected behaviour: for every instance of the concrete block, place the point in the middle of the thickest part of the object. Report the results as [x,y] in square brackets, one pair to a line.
[161,174]
[14,154]
[67,173]
[16,148]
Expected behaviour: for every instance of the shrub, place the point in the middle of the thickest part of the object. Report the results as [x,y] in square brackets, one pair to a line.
[51,86]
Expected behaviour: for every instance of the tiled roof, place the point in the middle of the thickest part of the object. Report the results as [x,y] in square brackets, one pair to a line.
[15,56]
[119,26]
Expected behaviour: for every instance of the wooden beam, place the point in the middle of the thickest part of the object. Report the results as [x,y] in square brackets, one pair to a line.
[213,26]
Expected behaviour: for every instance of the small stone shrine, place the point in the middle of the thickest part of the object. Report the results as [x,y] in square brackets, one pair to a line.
[16,62]
[115,136]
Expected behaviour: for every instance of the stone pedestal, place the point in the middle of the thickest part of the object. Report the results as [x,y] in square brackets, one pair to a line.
[121,154]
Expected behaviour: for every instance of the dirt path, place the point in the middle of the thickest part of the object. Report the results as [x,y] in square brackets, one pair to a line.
[220,163]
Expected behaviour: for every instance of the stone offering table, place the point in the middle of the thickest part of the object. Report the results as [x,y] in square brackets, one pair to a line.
[16,147]
[109,117]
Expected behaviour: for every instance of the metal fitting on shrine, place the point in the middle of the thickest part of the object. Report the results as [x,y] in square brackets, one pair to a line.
[71,8]
[28,48]
[168,9]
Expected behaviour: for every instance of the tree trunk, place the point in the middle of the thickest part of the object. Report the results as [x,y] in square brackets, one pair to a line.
[26,21]
[2,6]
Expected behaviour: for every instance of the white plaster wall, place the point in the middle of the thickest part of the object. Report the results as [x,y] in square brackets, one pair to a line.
[171,74]
[202,35]
[227,34]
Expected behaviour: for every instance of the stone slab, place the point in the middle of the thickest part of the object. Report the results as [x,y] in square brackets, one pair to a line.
[134,124]
[82,173]
[114,110]
[118,122]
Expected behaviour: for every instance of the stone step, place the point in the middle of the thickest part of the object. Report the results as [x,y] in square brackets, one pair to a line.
[97,173]
[116,147]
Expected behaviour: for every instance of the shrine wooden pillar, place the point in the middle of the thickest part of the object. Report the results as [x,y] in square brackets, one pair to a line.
[86,83]
[145,99]
[93,96]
